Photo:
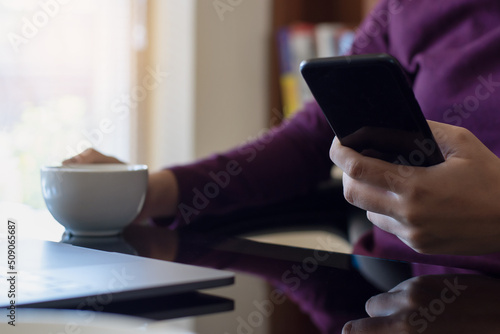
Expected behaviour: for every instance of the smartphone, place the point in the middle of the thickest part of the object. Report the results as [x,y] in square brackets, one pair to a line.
[371,108]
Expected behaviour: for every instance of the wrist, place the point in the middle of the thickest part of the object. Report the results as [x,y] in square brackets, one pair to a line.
[163,194]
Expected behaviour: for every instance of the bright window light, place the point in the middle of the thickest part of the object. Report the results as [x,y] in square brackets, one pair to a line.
[66,72]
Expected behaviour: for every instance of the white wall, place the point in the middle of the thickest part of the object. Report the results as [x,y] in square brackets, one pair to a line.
[231,106]
[231,73]
[168,132]
[215,97]
[216,94]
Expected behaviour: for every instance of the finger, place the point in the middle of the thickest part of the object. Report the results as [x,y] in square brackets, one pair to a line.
[84,157]
[91,156]
[378,325]
[79,158]
[388,223]
[395,226]
[369,170]
[386,304]
[405,284]
[70,161]
[95,157]
[368,197]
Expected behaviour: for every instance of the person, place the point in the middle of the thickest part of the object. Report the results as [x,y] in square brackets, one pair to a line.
[445,214]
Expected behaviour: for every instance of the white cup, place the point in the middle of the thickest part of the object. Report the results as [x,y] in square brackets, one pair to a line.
[94,199]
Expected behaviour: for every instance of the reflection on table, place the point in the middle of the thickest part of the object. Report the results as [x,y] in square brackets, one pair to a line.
[331,288]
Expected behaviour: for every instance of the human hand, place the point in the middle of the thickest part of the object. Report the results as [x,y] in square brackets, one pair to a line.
[91,156]
[434,304]
[449,208]
[162,193]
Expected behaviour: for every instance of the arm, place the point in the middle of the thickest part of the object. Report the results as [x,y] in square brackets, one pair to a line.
[162,194]
[450,208]
[286,161]
[282,163]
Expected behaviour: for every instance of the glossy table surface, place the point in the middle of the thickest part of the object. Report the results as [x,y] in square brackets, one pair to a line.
[287,289]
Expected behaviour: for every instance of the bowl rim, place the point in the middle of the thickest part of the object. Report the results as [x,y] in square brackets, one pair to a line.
[95,168]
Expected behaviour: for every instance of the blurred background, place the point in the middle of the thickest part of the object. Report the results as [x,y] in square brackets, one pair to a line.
[155,82]
[158,82]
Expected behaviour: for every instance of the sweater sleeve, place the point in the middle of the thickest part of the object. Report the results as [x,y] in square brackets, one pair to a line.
[286,161]
[283,162]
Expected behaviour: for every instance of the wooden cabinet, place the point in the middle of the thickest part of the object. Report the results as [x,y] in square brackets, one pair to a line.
[286,12]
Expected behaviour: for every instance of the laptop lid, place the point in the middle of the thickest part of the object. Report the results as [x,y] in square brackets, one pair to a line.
[51,274]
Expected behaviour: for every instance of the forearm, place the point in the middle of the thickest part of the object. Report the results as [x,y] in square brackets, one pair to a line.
[283,163]
[163,194]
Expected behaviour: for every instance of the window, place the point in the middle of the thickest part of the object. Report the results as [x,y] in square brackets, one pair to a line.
[66,77]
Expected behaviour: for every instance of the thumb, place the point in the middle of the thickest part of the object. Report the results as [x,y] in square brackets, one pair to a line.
[456,141]
[445,135]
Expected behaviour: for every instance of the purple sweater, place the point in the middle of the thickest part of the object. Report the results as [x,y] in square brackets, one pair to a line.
[451,51]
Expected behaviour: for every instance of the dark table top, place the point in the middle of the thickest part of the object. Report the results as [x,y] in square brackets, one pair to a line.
[309,290]
[290,289]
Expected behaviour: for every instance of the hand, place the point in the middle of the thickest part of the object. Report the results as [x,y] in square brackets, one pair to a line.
[449,208]
[91,156]
[434,304]
[162,194]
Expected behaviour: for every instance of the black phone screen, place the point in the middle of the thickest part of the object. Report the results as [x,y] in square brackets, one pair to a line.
[371,108]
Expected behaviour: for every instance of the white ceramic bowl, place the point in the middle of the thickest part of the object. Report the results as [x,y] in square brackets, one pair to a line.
[94,199]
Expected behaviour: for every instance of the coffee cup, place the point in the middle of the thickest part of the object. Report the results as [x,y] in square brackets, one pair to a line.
[94,199]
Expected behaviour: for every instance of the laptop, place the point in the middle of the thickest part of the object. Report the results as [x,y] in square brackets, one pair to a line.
[58,275]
